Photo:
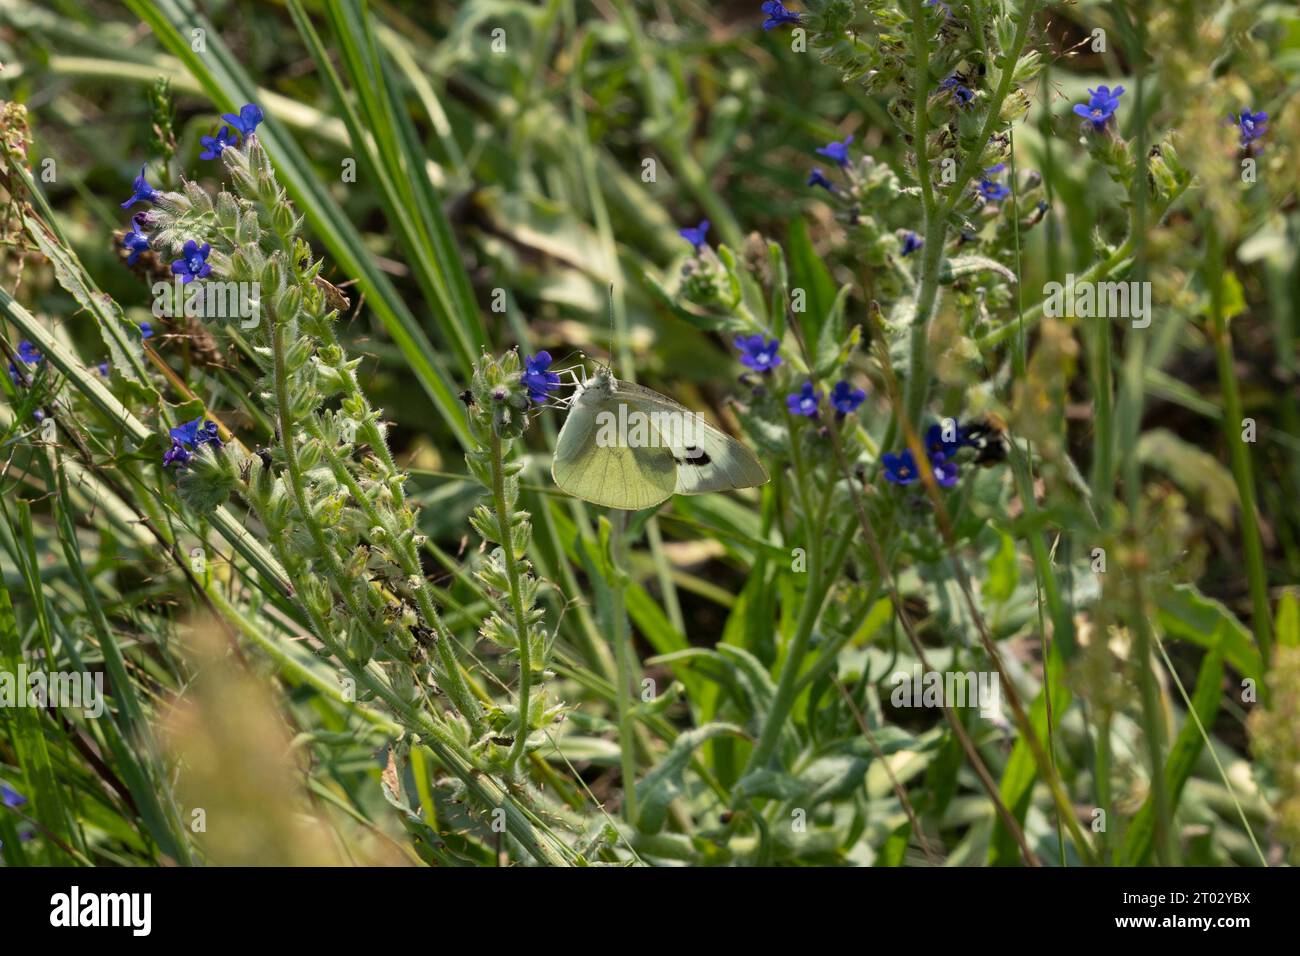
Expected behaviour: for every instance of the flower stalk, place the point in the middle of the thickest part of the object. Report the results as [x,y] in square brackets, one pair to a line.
[328,490]
[498,401]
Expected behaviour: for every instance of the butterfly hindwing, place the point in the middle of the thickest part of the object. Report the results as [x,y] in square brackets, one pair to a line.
[614,476]
[706,458]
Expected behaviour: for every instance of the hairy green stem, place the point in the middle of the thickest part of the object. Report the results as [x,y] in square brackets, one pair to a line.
[938,214]
[935,225]
[516,598]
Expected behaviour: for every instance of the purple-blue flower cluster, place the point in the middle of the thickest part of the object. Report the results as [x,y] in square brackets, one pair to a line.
[818,178]
[193,263]
[805,402]
[845,399]
[141,191]
[1251,125]
[901,469]
[758,353]
[989,188]
[536,377]
[187,439]
[1101,105]
[213,145]
[777,14]
[697,236]
[938,442]
[11,797]
[961,93]
[135,241]
[942,442]
[837,152]
[250,115]
[28,354]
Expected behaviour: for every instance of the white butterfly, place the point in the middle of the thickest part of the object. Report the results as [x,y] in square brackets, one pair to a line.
[625,446]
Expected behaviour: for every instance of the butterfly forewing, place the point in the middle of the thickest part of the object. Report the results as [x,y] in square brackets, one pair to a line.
[615,476]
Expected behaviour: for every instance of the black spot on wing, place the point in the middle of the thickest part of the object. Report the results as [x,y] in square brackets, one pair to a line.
[693,456]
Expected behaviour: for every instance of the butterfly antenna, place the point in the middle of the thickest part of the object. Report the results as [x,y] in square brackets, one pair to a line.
[562,366]
[611,324]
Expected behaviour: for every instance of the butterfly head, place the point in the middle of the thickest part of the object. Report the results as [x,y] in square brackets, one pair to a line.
[598,388]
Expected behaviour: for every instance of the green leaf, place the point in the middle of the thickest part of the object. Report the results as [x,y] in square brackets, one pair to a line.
[833,346]
[892,853]
[664,783]
[1004,571]
[809,273]
[1286,627]
[954,269]
[1184,612]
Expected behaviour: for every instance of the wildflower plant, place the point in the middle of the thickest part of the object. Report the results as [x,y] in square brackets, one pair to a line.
[498,406]
[835,252]
[328,492]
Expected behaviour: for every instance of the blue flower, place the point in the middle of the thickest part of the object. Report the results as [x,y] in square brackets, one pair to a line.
[11,797]
[758,353]
[143,191]
[1101,105]
[135,241]
[911,242]
[900,469]
[777,14]
[845,399]
[816,178]
[102,369]
[213,145]
[939,4]
[250,114]
[937,444]
[838,152]
[805,401]
[963,94]
[146,330]
[945,471]
[178,455]
[201,431]
[193,263]
[696,235]
[1252,125]
[537,379]
[991,190]
[188,438]
[28,354]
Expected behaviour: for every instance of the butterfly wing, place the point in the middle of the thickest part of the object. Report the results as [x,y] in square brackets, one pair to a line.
[707,459]
[614,476]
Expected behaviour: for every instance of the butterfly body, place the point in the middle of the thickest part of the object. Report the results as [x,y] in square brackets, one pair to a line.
[629,447]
